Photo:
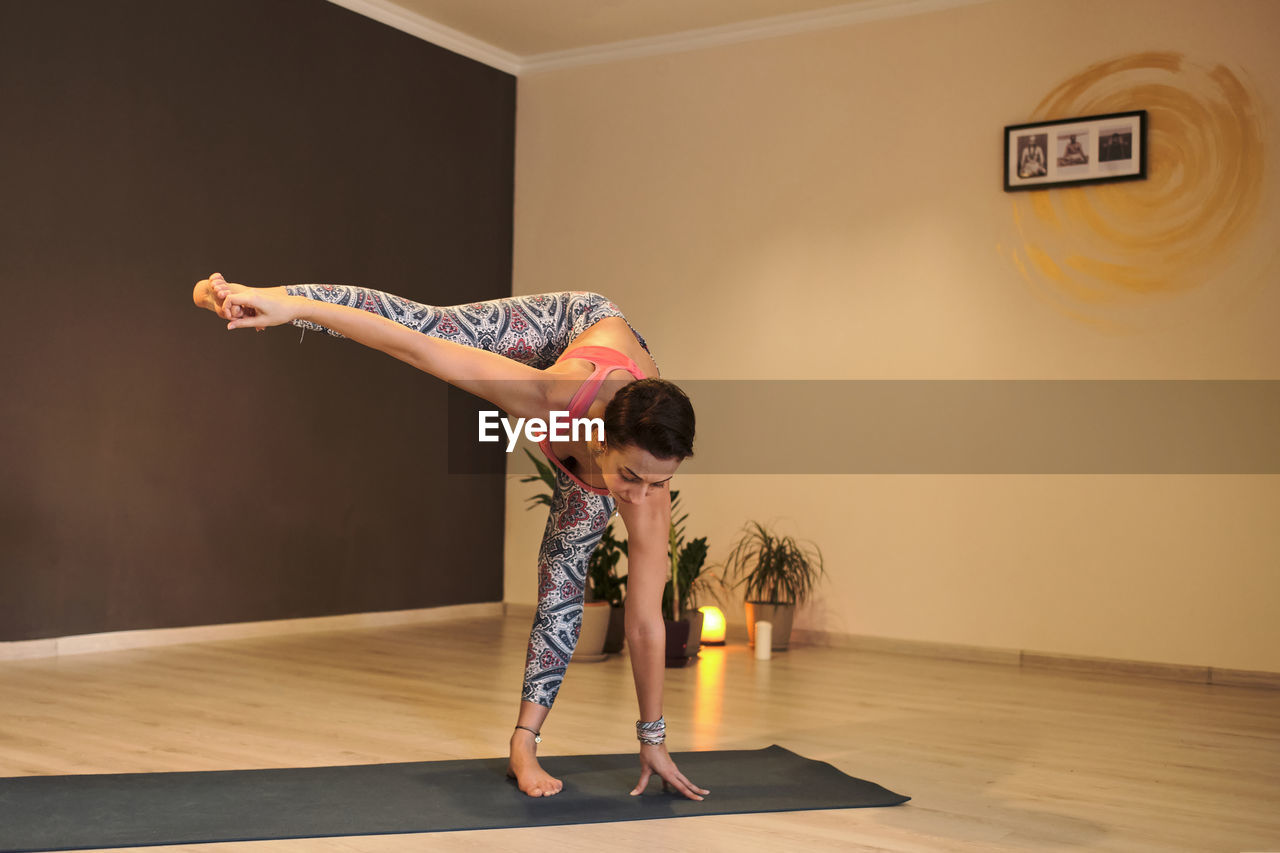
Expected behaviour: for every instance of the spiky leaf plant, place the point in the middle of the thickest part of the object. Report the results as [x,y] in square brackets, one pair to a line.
[773,569]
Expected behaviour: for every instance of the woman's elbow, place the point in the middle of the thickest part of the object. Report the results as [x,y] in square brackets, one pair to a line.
[644,627]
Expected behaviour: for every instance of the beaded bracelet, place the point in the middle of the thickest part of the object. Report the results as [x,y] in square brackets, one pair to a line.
[652,734]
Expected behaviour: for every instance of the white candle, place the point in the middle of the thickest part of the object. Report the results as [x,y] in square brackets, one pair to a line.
[764,640]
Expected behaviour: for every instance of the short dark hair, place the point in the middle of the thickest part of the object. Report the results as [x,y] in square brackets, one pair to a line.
[654,415]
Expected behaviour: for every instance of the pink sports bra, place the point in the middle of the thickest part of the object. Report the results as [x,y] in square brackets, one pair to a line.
[605,360]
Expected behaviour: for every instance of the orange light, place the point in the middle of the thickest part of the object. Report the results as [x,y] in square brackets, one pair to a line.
[708,706]
[712,625]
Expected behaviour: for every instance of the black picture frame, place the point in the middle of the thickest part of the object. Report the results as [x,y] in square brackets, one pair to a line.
[1085,150]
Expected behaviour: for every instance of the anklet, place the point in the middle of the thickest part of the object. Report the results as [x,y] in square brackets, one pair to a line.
[537,736]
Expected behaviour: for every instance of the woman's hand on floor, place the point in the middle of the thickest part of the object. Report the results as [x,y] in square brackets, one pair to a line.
[654,760]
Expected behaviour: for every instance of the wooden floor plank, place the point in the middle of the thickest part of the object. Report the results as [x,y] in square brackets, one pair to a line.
[995,757]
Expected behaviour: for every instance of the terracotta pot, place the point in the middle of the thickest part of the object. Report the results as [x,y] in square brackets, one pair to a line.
[694,618]
[778,615]
[595,625]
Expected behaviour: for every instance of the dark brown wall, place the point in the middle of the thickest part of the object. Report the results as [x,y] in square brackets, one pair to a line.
[158,470]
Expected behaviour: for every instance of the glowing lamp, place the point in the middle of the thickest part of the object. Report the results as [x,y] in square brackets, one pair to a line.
[712,625]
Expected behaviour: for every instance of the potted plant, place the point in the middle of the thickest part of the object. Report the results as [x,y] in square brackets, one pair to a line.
[605,584]
[684,622]
[597,597]
[776,573]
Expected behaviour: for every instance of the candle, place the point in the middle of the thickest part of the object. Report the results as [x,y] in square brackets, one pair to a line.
[764,640]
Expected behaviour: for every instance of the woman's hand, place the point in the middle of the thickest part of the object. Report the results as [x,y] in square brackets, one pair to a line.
[247,307]
[655,760]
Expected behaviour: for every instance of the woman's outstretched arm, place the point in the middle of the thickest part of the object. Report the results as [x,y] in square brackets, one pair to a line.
[648,523]
[516,388]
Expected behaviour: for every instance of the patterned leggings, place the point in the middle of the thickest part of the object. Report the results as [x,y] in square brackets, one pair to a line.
[533,330]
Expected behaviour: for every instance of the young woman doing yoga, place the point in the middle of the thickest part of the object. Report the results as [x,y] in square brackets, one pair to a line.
[517,353]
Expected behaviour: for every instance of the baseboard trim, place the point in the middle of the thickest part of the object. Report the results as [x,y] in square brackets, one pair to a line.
[1244,678]
[1042,660]
[1112,666]
[119,640]
[522,611]
[916,648]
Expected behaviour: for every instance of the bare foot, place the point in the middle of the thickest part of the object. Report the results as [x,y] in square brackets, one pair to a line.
[525,769]
[204,297]
[211,293]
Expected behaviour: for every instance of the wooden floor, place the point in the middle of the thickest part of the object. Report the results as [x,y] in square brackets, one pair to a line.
[995,758]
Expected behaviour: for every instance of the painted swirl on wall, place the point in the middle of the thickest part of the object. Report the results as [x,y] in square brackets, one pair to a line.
[1101,248]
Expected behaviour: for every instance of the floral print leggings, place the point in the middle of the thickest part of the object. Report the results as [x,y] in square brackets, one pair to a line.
[533,330]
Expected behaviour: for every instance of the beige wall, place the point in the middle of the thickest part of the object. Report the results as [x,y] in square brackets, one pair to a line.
[829,206]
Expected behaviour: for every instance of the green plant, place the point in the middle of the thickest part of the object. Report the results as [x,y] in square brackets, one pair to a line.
[605,584]
[546,475]
[773,569]
[687,562]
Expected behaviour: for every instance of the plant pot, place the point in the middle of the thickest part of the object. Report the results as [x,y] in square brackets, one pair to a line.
[595,625]
[617,633]
[694,618]
[677,643]
[777,615]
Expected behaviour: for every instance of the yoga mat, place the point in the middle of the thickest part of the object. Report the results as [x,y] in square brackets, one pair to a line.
[137,809]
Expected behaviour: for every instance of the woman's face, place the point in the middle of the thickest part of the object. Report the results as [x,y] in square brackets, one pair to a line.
[632,474]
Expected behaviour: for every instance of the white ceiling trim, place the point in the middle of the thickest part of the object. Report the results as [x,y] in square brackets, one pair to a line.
[438,34]
[763,28]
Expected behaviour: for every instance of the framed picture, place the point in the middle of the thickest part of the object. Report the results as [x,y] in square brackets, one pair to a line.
[1090,149]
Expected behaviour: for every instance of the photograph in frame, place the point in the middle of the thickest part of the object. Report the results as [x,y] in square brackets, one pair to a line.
[1089,149]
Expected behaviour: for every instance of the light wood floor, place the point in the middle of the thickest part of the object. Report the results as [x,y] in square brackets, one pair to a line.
[995,758]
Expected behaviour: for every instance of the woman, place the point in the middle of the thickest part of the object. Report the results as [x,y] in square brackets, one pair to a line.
[540,341]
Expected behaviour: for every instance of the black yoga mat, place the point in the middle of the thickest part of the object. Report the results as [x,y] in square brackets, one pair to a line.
[136,809]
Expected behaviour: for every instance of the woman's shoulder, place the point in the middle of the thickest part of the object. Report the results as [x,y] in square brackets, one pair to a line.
[614,333]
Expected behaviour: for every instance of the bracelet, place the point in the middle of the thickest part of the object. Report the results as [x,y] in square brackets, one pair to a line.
[652,734]
[537,736]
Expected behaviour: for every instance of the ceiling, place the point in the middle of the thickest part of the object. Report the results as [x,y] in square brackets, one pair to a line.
[530,27]
[525,35]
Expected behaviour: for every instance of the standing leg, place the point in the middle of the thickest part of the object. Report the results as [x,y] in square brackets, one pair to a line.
[574,526]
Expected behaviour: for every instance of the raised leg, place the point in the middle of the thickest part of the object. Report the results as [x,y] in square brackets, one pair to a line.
[533,330]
